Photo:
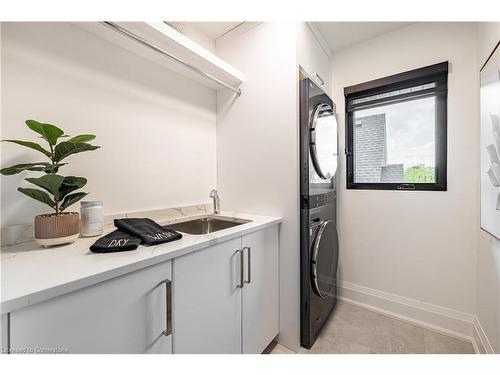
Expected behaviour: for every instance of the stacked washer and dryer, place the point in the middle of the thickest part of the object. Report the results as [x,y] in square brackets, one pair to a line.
[318,218]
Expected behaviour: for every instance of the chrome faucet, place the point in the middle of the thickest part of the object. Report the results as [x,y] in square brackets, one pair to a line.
[215,197]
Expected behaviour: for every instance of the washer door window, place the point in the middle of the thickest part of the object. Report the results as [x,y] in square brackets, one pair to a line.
[325,260]
[323,141]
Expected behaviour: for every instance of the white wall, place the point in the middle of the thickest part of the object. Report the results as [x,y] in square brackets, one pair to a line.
[157,129]
[196,35]
[313,56]
[488,249]
[257,146]
[416,245]
[257,140]
[488,37]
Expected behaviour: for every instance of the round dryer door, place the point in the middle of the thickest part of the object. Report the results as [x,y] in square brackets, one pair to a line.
[324,260]
[323,141]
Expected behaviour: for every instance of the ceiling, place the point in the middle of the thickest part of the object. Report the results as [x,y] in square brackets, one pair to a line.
[215,29]
[337,34]
[343,34]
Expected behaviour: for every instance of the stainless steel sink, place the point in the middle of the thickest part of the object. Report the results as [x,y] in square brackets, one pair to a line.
[207,224]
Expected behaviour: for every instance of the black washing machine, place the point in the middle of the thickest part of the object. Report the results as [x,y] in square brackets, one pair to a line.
[318,218]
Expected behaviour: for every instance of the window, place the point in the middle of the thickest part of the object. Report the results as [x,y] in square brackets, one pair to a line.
[396,131]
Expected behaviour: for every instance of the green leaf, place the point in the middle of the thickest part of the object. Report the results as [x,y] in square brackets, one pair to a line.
[70,184]
[71,199]
[52,168]
[65,149]
[48,132]
[43,167]
[38,195]
[34,146]
[15,169]
[50,182]
[82,138]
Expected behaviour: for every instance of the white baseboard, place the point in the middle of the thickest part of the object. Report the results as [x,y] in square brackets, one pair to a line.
[437,318]
[483,343]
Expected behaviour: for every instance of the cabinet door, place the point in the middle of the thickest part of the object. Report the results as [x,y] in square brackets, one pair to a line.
[207,300]
[261,291]
[126,314]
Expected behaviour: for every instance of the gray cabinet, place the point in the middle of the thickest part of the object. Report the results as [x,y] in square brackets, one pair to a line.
[226,296]
[126,314]
[222,299]
[260,297]
[207,300]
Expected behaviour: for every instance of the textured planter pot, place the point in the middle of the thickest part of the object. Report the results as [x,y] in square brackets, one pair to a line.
[59,229]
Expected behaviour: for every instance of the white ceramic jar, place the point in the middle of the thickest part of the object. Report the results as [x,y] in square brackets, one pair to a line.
[92,214]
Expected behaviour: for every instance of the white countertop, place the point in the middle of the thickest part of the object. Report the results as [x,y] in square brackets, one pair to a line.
[31,274]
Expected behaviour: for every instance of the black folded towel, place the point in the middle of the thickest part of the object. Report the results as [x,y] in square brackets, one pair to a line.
[115,241]
[150,232]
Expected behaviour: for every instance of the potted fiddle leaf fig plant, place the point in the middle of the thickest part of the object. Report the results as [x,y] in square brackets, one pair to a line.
[58,192]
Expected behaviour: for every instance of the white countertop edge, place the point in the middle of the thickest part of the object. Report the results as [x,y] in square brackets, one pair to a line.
[37,296]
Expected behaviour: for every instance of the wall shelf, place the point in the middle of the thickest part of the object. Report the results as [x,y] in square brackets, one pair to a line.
[154,40]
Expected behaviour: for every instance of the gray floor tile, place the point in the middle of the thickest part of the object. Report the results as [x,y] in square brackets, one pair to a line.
[395,336]
[436,343]
[280,349]
[351,315]
[344,345]
[354,330]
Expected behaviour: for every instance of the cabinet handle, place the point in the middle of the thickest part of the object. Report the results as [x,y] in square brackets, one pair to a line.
[168,307]
[249,249]
[240,285]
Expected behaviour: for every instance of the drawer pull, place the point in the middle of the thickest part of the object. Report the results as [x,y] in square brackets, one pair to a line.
[242,282]
[168,307]
[249,250]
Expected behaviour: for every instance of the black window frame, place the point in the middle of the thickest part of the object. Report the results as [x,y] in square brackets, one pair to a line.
[438,74]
